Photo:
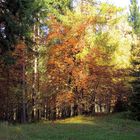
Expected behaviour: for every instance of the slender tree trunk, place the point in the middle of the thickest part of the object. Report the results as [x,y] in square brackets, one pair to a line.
[92,107]
[7,96]
[24,119]
[34,92]
[35,85]
[108,104]
[72,110]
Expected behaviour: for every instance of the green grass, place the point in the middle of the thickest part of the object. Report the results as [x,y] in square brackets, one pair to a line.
[111,127]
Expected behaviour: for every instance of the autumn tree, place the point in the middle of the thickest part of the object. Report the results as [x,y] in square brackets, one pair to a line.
[81,60]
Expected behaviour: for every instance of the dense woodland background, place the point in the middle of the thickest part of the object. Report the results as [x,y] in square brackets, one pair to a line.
[65,58]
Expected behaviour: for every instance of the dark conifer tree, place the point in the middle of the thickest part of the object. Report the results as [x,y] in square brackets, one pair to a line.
[134,20]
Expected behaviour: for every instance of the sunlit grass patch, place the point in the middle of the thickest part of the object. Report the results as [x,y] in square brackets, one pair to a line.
[77,120]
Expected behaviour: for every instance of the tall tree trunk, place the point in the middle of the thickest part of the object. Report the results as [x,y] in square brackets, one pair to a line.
[7,96]
[24,119]
[35,85]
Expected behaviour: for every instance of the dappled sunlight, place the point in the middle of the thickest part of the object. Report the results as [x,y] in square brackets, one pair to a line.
[73,120]
[78,120]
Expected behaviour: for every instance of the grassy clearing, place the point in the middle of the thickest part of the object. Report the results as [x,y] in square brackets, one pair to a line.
[111,127]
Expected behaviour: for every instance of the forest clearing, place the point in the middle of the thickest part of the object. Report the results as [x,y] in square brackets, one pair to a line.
[112,127]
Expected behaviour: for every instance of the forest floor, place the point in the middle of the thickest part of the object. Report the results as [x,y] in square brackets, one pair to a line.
[111,127]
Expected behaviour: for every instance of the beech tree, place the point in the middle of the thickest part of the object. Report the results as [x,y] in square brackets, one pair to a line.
[81,62]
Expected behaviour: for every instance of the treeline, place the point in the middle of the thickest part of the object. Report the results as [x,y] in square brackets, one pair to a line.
[62,58]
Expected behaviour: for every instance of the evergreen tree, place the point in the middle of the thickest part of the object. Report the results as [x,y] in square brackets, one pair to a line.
[16,19]
[134,17]
[134,20]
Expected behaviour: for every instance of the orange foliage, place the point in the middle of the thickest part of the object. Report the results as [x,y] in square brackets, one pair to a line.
[86,80]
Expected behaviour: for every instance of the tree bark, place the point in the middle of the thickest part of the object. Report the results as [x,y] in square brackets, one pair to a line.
[24,119]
